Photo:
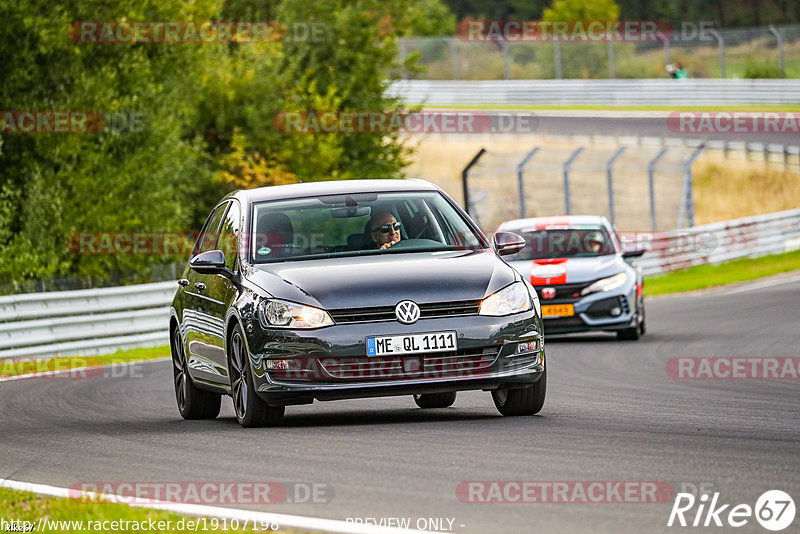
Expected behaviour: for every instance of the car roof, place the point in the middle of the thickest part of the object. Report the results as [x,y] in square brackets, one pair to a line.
[334,187]
[557,220]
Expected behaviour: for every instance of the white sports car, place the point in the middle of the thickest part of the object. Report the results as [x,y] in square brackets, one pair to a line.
[584,279]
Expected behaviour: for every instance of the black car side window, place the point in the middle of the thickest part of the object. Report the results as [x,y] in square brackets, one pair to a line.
[208,237]
[228,235]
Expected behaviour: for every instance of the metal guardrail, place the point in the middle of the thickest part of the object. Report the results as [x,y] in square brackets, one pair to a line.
[85,322]
[609,92]
[748,237]
[99,321]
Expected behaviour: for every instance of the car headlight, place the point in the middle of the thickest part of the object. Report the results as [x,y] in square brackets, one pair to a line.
[274,313]
[511,299]
[606,284]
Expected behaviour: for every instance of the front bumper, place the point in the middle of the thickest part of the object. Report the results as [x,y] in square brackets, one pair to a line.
[331,363]
[594,312]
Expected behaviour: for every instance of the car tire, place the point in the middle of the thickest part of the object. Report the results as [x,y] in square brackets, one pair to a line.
[251,411]
[642,325]
[522,401]
[435,400]
[193,403]
[634,333]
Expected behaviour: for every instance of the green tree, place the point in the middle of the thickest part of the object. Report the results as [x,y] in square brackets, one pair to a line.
[582,10]
[116,180]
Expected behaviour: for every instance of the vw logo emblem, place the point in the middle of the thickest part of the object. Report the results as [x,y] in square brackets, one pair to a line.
[407,312]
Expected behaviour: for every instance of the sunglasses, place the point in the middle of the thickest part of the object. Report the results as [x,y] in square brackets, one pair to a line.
[386,228]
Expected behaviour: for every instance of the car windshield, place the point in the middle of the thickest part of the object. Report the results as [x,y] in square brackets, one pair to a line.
[576,241]
[357,224]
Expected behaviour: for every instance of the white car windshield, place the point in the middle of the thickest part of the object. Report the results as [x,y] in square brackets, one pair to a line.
[583,241]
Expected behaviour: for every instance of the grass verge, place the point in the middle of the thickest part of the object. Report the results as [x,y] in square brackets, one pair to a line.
[24,366]
[704,276]
[59,512]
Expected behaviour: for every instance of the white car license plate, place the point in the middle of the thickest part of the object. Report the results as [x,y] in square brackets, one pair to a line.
[411,344]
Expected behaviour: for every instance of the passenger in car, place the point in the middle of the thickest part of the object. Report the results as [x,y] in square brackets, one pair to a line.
[383,230]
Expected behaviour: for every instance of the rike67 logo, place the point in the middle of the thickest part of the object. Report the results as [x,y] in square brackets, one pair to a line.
[774,510]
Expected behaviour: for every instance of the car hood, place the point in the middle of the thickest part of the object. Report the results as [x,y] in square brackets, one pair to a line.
[385,279]
[555,271]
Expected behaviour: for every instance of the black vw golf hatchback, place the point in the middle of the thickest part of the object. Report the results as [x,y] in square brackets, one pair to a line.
[351,289]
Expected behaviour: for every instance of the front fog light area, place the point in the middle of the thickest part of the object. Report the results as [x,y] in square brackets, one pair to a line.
[527,346]
[281,365]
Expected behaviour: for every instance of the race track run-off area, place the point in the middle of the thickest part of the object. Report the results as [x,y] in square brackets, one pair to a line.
[613,414]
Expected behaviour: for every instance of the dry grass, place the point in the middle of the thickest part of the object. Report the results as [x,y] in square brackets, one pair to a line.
[724,188]
[727,189]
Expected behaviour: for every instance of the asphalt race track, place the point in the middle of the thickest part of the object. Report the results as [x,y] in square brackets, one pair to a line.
[627,123]
[612,414]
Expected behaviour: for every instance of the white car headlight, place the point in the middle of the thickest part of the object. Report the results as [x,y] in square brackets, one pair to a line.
[606,284]
[281,314]
[511,299]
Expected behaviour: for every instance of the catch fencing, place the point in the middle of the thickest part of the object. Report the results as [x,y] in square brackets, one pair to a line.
[98,321]
[760,52]
[636,187]
[637,182]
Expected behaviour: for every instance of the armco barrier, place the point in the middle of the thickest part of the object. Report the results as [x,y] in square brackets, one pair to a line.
[86,322]
[748,237]
[608,92]
[99,321]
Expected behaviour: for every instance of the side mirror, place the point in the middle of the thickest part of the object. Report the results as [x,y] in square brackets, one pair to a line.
[633,253]
[210,262]
[507,243]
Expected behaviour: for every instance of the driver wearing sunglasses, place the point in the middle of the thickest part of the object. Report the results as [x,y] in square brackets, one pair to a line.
[384,230]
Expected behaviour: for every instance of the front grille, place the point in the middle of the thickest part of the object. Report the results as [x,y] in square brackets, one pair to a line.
[461,363]
[386,313]
[564,292]
[455,364]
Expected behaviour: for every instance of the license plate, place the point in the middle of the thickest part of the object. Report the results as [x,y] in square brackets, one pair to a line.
[558,310]
[411,344]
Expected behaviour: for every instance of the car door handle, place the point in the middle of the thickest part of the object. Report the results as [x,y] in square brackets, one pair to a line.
[183,282]
[200,286]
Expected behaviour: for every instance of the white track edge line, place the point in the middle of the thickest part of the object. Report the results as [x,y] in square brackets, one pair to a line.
[284,520]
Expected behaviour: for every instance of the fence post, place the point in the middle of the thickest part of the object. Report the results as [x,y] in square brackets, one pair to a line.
[520,171]
[612,62]
[505,47]
[664,39]
[651,169]
[721,43]
[464,177]
[777,35]
[610,177]
[567,165]
[557,58]
[456,58]
[687,198]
